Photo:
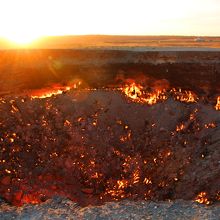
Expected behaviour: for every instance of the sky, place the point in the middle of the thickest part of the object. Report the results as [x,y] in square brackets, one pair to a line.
[27,19]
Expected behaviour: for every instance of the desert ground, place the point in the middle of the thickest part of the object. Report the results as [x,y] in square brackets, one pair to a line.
[157,43]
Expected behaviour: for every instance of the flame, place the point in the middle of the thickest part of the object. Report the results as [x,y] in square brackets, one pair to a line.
[180,127]
[67,123]
[217,106]
[118,190]
[133,91]
[147,181]
[136,93]
[121,184]
[184,95]
[202,198]
[210,125]
[30,199]
[136,176]
[126,137]
[54,90]
[46,93]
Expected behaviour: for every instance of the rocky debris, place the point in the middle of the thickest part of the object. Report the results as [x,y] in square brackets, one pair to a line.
[59,208]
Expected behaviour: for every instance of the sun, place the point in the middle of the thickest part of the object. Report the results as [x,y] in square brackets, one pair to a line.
[23,21]
[22,39]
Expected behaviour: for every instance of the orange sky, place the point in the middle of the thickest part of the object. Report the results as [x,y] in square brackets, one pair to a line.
[23,20]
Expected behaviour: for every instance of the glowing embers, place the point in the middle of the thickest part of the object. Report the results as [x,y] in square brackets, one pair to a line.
[130,178]
[92,153]
[210,125]
[217,106]
[180,127]
[137,93]
[202,198]
[118,191]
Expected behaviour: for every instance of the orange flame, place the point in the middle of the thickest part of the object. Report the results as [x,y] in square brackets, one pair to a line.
[202,198]
[133,91]
[46,93]
[210,125]
[55,90]
[217,106]
[180,127]
[184,96]
[137,94]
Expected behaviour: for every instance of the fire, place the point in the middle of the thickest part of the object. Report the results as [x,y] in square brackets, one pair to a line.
[133,91]
[180,127]
[30,199]
[202,198]
[121,184]
[154,98]
[147,181]
[46,93]
[118,190]
[136,93]
[210,125]
[136,176]
[184,96]
[126,137]
[217,106]
[67,123]
[55,90]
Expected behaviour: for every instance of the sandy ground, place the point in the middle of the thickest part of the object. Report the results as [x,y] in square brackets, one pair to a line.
[148,48]
[162,49]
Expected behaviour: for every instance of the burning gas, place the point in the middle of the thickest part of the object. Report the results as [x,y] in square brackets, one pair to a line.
[184,95]
[137,93]
[53,90]
[46,93]
[133,91]
[217,106]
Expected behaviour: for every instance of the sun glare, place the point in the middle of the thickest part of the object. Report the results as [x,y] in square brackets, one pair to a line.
[23,21]
[22,40]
